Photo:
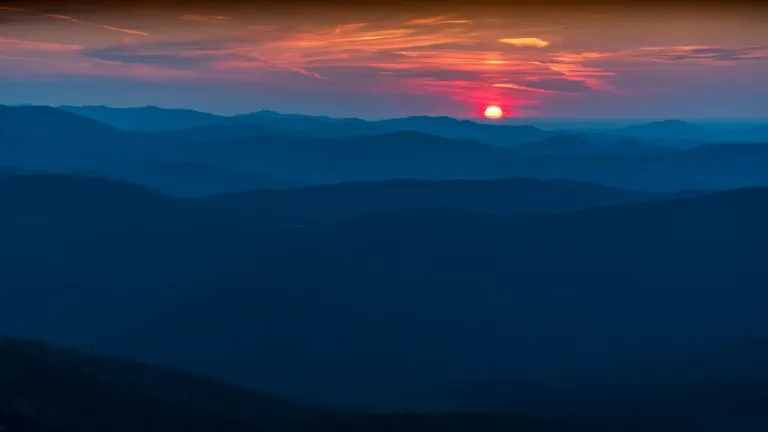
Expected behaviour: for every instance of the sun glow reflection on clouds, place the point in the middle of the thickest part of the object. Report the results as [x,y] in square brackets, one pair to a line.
[527,64]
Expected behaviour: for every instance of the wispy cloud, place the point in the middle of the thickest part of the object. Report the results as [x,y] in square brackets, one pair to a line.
[549,85]
[16,45]
[526,42]
[61,17]
[205,18]
[437,20]
[715,55]
[440,59]
[104,26]
[343,28]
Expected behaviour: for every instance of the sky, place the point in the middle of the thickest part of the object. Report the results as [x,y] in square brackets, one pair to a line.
[391,59]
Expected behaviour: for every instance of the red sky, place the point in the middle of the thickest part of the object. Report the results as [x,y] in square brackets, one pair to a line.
[589,60]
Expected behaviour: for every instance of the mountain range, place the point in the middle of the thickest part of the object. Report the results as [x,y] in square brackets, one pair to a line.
[400,299]
[427,273]
[498,133]
[223,158]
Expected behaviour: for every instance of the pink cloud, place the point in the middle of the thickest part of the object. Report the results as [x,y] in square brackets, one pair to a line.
[15,45]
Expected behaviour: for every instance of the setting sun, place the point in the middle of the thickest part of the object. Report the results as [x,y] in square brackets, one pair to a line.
[493,112]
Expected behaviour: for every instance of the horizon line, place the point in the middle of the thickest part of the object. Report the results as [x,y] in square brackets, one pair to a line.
[504,120]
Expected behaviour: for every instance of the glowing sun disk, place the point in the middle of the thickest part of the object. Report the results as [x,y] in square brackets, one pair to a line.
[493,112]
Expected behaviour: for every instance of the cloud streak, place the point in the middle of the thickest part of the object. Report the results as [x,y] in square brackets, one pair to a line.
[438,20]
[526,42]
[104,26]
[716,55]
[16,45]
[205,18]
[72,19]
[550,86]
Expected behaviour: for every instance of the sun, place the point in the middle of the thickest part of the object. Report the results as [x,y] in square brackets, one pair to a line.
[493,112]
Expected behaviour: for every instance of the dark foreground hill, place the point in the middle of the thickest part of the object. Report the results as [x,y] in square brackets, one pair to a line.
[43,388]
[47,389]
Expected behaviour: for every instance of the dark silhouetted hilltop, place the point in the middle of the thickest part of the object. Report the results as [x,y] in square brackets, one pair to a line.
[48,389]
[448,127]
[147,118]
[43,388]
[666,129]
[41,123]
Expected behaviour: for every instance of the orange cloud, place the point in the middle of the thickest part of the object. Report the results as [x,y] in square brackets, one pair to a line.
[436,20]
[347,27]
[528,42]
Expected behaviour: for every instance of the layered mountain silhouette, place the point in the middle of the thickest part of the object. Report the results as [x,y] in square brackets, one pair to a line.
[41,139]
[397,301]
[673,129]
[502,135]
[578,146]
[426,264]
[371,157]
[417,155]
[45,123]
[148,118]
[223,158]
[89,194]
[186,179]
[516,196]
[155,119]
[671,132]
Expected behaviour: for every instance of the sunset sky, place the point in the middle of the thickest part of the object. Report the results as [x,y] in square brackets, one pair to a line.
[388,60]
